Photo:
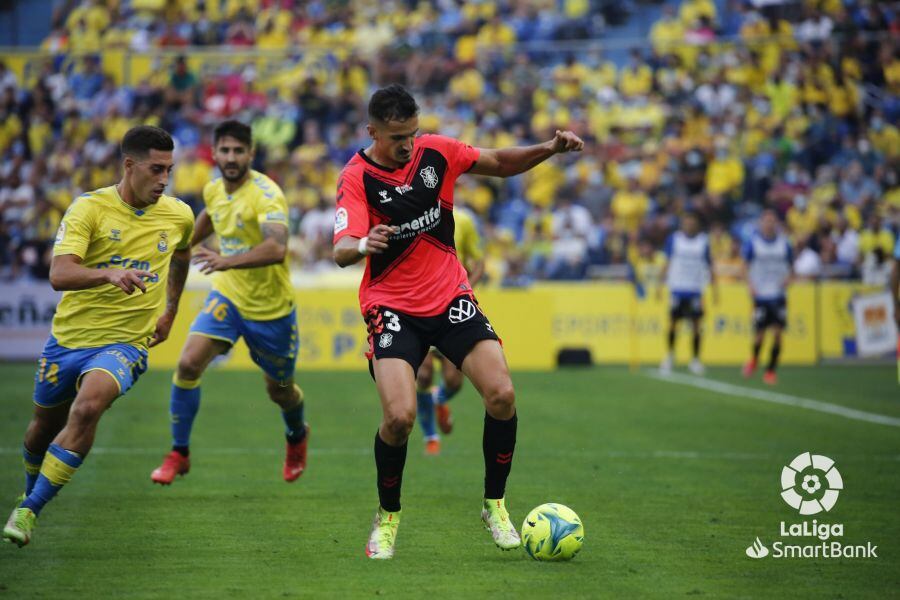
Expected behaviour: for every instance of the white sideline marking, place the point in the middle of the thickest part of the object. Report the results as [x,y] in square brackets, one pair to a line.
[611,454]
[775,397]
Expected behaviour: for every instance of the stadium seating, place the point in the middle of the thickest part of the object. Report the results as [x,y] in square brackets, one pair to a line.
[724,110]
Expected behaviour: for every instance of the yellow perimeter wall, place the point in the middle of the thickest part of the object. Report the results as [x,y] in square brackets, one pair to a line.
[536,323]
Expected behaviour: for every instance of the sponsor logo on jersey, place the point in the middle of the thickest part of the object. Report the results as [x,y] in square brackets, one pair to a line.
[384,197]
[426,222]
[115,235]
[402,189]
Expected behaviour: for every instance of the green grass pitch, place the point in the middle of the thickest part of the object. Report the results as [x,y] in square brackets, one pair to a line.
[672,483]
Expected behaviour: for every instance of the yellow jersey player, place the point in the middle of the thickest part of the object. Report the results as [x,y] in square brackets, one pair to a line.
[122,253]
[251,297]
[432,400]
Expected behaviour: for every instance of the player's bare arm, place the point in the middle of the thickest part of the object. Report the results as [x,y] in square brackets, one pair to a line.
[350,250]
[474,270]
[203,228]
[178,271]
[270,251]
[506,162]
[67,273]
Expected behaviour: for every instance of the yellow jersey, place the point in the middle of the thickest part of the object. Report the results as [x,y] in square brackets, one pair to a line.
[106,233]
[260,293]
[465,237]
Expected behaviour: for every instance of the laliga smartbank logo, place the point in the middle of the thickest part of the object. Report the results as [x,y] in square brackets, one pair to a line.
[811,484]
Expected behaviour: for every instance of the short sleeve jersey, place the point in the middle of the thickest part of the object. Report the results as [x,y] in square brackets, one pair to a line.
[106,233]
[419,274]
[261,293]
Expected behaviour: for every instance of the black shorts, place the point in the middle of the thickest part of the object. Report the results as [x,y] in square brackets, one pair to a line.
[393,334]
[769,313]
[686,307]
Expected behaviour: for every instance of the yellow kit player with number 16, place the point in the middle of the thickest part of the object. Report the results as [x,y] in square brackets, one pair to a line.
[251,296]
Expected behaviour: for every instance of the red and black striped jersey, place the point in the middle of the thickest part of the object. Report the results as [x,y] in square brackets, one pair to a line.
[419,273]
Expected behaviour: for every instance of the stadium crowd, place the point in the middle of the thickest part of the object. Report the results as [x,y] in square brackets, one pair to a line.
[792,106]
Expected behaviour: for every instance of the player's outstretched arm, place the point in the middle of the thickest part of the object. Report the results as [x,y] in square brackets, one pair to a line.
[67,274]
[178,271]
[203,228]
[506,162]
[270,251]
[350,250]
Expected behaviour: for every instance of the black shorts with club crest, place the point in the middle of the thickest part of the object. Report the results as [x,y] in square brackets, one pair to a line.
[393,334]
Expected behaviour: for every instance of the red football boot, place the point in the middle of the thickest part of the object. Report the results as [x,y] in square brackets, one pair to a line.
[770,378]
[295,458]
[174,464]
[749,368]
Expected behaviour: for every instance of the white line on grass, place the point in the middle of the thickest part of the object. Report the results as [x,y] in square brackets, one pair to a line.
[775,397]
[469,452]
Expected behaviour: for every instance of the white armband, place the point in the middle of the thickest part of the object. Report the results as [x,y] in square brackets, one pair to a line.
[362,246]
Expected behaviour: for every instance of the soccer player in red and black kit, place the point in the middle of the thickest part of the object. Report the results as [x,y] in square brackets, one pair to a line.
[395,208]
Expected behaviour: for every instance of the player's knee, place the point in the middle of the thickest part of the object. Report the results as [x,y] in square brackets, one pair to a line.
[189,369]
[424,376]
[500,399]
[399,423]
[283,395]
[453,382]
[87,410]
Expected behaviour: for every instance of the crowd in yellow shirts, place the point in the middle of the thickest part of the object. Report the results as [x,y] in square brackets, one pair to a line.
[793,107]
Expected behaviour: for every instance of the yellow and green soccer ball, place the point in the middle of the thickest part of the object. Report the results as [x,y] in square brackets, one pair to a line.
[552,532]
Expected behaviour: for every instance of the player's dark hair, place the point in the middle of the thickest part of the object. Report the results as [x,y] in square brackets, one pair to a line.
[234,129]
[140,140]
[392,103]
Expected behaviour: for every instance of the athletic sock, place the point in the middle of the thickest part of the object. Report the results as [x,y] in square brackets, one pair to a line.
[498,444]
[295,428]
[389,462]
[184,403]
[756,347]
[671,340]
[56,471]
[32,467]
[773,359]
[697,338]
[426,414]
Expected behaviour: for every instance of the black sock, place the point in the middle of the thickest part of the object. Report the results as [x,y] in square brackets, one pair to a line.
[498,443]
[756,347]
[182,450]
[389,462]
[697,336]
[773,360]
[671,339]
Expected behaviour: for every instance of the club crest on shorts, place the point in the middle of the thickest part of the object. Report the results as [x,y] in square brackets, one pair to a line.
[429,177]
[385,340]
[463,311]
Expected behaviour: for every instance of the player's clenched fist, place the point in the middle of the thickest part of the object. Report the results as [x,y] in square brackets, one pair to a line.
[377,240]
[128,279]
[566,141]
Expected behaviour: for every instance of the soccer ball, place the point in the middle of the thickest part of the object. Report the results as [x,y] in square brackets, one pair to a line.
[552,532]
